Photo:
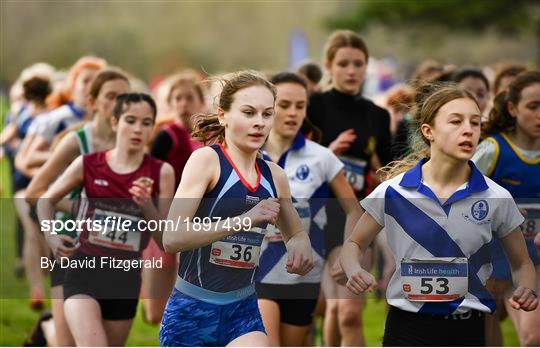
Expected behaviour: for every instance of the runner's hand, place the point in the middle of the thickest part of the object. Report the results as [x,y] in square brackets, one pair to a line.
[338,274]
[61,245]
[266,211]
[524,298]
[343,142]
[141,193]
[299,254]
[360,281]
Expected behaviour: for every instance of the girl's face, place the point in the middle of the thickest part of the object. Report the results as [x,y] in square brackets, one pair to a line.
[185,101]
[456,129]
[250,118]
[478,88]
[527,111]
[104,103]
[348,70]
[82,85]
[291,103]
[134,127]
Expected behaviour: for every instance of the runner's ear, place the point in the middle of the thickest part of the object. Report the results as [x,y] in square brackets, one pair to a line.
[114,124]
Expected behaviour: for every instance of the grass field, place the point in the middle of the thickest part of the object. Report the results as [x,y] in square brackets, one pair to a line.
[17,319]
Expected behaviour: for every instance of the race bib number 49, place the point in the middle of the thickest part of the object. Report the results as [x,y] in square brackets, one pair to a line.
[117,231]
[240,250]
[531,225]
[354,170]
[435,279]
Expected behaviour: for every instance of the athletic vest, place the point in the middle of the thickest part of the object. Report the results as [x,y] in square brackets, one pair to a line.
[109,201]
[230,264]
[514,172]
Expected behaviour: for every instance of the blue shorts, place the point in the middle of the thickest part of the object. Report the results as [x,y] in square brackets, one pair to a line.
[191,322]
[501,267]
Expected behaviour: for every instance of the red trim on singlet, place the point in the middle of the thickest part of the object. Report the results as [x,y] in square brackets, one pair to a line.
[244,181]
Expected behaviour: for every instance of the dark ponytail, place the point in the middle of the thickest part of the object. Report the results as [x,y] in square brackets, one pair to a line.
[500,118]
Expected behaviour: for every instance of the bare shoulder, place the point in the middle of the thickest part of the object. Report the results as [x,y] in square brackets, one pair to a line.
[68,143]
[202,154]
[202,166]
[166,170]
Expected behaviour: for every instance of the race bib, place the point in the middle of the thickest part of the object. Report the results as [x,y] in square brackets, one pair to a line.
[116,231]
[530,227]
[354,170]
[438,279]
[241,250]
[304,212]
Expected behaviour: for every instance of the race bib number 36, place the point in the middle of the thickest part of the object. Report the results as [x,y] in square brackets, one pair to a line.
[240,250]
[117,231]
[435,279]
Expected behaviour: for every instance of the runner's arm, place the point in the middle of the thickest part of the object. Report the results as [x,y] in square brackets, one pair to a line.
[299,254]
[364,233]
[38,153]
[348,201]
[69,180]
[523,272]
[66,151]
[8,133]
[166,192]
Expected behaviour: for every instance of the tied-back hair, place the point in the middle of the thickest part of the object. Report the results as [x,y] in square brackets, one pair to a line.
[206,127]
[429,99]
[500,119]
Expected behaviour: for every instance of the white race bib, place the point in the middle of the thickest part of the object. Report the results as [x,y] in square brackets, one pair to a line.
[304,212]
[437,279]
[240,250]
[119,231]
[531,226]
[354,170]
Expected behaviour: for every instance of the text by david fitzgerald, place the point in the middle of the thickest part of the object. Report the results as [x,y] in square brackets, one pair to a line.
[104,262]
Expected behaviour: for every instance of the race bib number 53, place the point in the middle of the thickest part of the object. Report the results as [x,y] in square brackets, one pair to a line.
[435,279]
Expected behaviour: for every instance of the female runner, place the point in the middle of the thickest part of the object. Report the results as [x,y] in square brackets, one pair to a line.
[100,299]
[226,198]
[511,157]
[287,301]
[440,214]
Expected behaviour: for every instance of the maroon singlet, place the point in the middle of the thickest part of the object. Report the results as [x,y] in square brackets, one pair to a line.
[107,195]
